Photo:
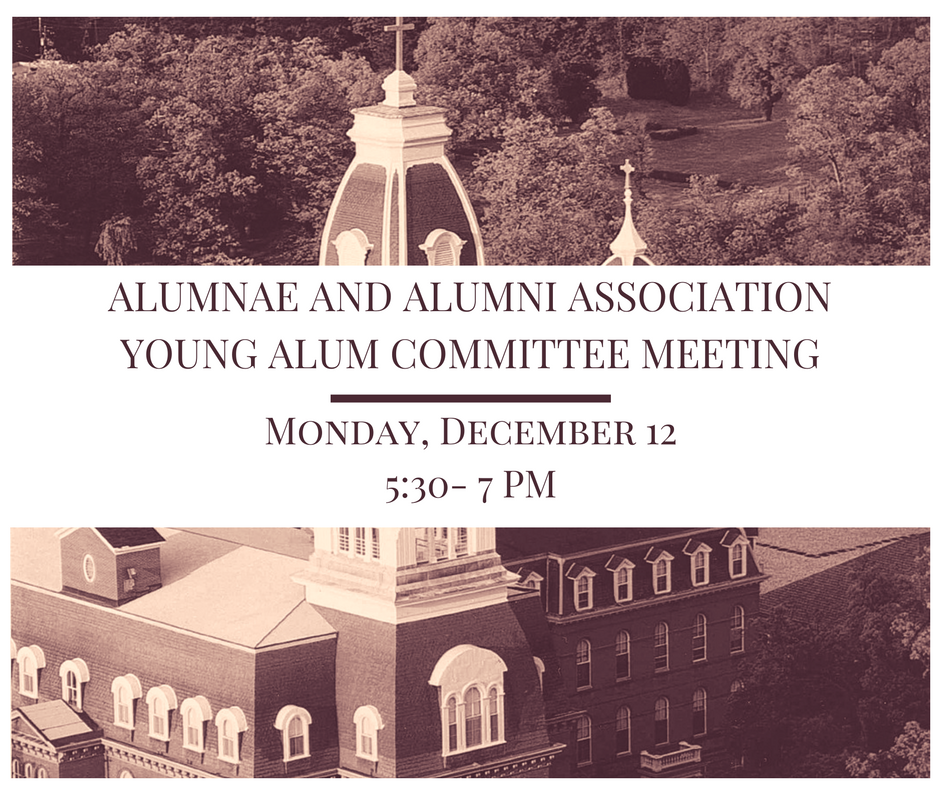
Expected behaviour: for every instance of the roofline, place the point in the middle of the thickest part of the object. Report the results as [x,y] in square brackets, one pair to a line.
[552,750]
[612,547]
[172,628]
[61,533]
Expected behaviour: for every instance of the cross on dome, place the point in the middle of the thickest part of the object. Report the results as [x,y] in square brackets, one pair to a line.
[399,29]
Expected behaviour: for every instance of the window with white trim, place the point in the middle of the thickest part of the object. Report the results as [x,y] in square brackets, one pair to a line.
[583,587]
[622,655]
[470,682]
[623,584]
[583,664]
[662,576]
[661,646]
[701,566]
[41,773]
[699,723]
[88,567]
[442,247]
[196,714]
[294,724]
[30,660]
[622,735]
[584,739]
[661,721]
[737,630]
[699,638]
[368,723]
[126,691]
[352,247]
[231,723]
[540,669]
[737,553]
[161,702]
[17,770]
[30,771]
[344,539]
[376,550]
[74,675]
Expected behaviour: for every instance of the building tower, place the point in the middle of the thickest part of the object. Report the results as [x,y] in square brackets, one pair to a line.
[434,673]
[628,248]
[400,202]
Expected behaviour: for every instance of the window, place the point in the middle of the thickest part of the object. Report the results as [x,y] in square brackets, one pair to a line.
[231,723]
[30,660]
[196,713]
[125,775]
[698,637]
[584,739]
[360,541]
[30,771]
[442,248]
[623,730]
[622,650]
[352,247]
[368,723]
[662,570]
[17,770]
[474,717]
[470,682]
[463,541]
[344,540]
[375,544]
[540,669]
[294,724]
[74,674]
[737,630]
[736,543]
[661,647]
[125,690]
[736,686]
[161,701]
[661,721]
[698,712]
[41,773]
[88,567]
[700,562]
[583,663]
[622,570]
[583,582]
[534,581]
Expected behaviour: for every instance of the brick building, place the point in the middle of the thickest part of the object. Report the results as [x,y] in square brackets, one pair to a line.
[397,652]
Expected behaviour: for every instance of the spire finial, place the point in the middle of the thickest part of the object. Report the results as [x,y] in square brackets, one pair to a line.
[628,244]
[398,29]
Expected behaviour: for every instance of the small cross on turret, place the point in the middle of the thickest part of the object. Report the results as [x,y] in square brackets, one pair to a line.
[398,29]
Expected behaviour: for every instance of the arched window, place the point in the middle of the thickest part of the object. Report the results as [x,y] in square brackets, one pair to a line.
[736,686]
[474,717]
[737,630]
[698,712]
[622,649]
[442,247]
[584,739]
[17,769]
[231,723]
[161,701]
[737,560]
[661,721]
[623,584]
[31,660]
[583,663]
[30,771]
[125,690]
[368,723]
[74,675]
[352,247]
[663,576]
[125,775]
[540,669]
[736,544]
[699,629]
[196,713]
[661,646]
[41,773]
[700,568]
[470,682]
[623,730]
[294,724]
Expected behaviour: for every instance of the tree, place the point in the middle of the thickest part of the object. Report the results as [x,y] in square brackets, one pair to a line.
[551,199]
[698,42]
[817,693]
[764,53]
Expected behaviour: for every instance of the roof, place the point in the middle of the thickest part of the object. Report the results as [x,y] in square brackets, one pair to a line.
[790,554]
[130,537]
[56,722]
[515,543]
[245,596]
[824,597]
[295,542]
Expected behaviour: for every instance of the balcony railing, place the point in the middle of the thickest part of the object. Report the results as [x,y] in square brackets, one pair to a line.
[686,754]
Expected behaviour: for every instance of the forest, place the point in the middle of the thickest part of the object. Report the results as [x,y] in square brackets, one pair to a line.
[202,141]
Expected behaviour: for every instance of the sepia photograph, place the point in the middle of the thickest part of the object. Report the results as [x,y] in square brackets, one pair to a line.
[571,141]
[470,652]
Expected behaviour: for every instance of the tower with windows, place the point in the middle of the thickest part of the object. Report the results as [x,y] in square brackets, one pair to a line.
[400,202]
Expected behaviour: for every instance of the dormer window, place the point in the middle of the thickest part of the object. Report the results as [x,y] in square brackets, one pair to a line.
[294,724]
[622,569]
[368,723]
[231,723]
[583,579]
[126,690]
[160,702]
[534,581]
[699,564]
[662,570]
[442,247]
[196,714]
[31,660]
[352,247]
[736,544]
[74,675]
